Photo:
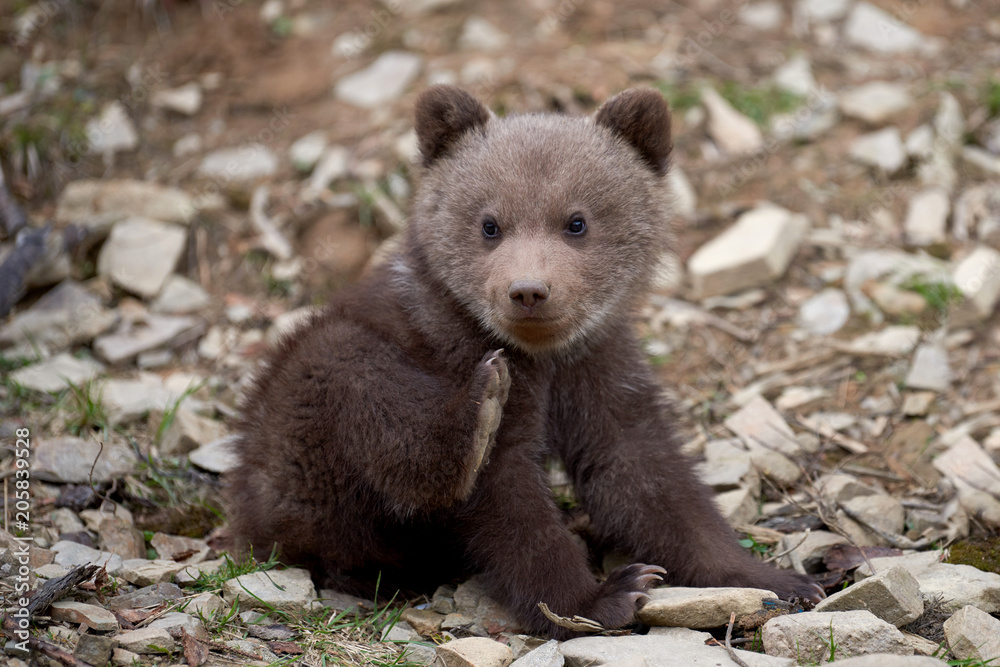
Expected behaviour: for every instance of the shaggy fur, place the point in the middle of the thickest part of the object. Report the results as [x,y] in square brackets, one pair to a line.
[392,436]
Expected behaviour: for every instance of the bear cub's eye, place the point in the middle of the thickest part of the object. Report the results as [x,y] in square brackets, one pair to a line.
[577,225]
[491,229]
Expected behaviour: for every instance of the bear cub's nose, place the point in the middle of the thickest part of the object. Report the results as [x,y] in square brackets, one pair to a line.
[528,293]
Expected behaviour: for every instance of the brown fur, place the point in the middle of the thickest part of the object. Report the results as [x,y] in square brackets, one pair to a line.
[370,441]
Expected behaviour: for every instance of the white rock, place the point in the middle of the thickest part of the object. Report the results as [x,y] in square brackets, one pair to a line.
[920,142]
[68,460]
[381,82]
[187,144]
[546,655]
[981,159]
[927,217]
[796,76]
[306,151]
[133,337]
[207,605]
[478,34]
[685,199]
[701,608]
[140,254]
[830,421]
[112,131]
[333,165]
[474,652]
[893,341]
[841,487]
[142,572]
[180,296]
[128,400]
[289,590]
[657,651]
[871,28]
[759,422]
[765,15]
[177,623]
[949,123]
[796,397]
[882,149]
[146,640]
[806,551]
[245,163]
[184,100]
[97,618]
[740,506]
[961,585]
[217,456]
[189,431]
[756,250]
[893,595]
[731,130]
[978,278]
[726,463]
[822,10]
[888,660]
[811,636]
[57,373]
[967,461]
[930,369]
[825,313]
[914,563]
[883,512]
[918,403]
[973,634]
[876,101]
[70,554]
[98,203]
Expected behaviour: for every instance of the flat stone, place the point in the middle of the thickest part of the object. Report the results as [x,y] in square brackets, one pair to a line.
[893,595]
[381,82]
[352,604]
[726,464]
[136,336]
[180,296]
[97,618]
[70,554]
[978,278]
[889,660]
[150,596]
[189,431]
[812,635]
[142,572]
[68,460]
[883,512]
[739,506]
[176,623]
[930,370]
[657,651]
[754,251]
[892,341]
[185,100]
[546,655]
[126,401]
[242,164]
[871,28]
[186,550]
[918,403]
[701,608]
[112,131]
[822,10]
[758,422]
[424,621]
[51,571]
[94,649]
[472,600]
[146,640]
[64,316]
[140,254]
[825,313]
[914,563]
[973,634]
[968,461]
[478,34]
[841,487]
[118,535]
[762,15]
[217,456]
[882,149]
[282,590]
[961,585]
[796,396]
[306,151]
[57,373]
[809,550]
[189,574]
[926,221]
[206,605]
[731,130]
[875,102]
[474,652]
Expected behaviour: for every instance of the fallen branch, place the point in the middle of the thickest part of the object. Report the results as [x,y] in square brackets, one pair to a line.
[729,642]
[576,623]
[56,589]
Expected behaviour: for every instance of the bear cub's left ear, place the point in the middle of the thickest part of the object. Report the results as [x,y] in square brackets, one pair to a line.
[641,117]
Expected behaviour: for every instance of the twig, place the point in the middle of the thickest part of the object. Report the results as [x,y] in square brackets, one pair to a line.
[272,239]
[895,541]
[789,550]
[576,623]
[729,642]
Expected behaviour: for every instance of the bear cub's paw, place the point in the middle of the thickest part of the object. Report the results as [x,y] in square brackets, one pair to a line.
[622,593]
[794,586]
[493,383]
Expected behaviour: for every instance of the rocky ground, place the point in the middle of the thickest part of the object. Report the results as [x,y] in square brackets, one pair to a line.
[197,177]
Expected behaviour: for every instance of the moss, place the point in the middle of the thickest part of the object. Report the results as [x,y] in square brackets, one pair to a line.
[979,552]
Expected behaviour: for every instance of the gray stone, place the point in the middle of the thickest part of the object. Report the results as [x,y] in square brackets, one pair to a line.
[978,278]
[282,590]
[189,431]
[739,506]
[146,640]
[961,585]
[875,102]
[795,76]
[186,550]
[918,403]
[657,651]
[70,554]
[914,563]
[889,660]
[243,164]
[968,461]
[217,456]
[809,550]
[920,142]
[893,595]
[478,34]
[546,655]
[97,618]
[332,166]
[68,460]
[184,99]
[701,608]
[754,251]
[65,520]
[926,220]
[136,336]
[176,623]
[973,634]
[825,313]
[474,652]
[930,370]
[381,82]
[726,464]
[180,296]
[306,151]
[758,422]
[822,10]
[841,487]
[883,512]
[112,131]
[189,574]
[871,28]
[66,315]
[340,602]
[128,400]
[892,341]
[150,596]
[142,572]
[762,15]
[401,631]
[140,254]
[206,605]
[731,130]
[882,149]
[57,373]
[94,649]
[811,636]
[118,535]
[472,600]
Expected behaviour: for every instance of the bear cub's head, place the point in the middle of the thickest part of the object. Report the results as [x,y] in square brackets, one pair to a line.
[543,226]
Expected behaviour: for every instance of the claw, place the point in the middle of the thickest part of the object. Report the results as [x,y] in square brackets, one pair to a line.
[636,598]
[646,579]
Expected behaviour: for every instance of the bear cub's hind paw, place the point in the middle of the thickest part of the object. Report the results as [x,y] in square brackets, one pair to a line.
[494,379]
[623,592]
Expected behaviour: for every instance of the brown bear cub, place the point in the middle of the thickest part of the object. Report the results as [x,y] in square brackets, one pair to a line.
[403,432]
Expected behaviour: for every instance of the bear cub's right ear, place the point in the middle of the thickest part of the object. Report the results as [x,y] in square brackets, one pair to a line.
[444,113]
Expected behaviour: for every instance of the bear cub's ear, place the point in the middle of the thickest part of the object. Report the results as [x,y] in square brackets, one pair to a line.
[443,114]
[641,117]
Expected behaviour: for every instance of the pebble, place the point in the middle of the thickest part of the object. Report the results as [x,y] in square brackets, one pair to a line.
[478,34]
[883,150]
[288,590]
[66,315]
[176,623]
[94,649]
[306,151]
[805,553]
[930,369]
[185,100]
[875,102]
[926,219]
[70,554]
[150,332]
[68,460]
[246,163]
[180,296]
[731,130]
[112,131]
[892,341]
[973,634]
[140,254]
[797,397]
[754,251]
[765,15]
[381,82]
[816,636]
[701,608]
[873,29]
[823,10]
[189,431]
[146,640]
[99,203]
[474,652]
[918,403]
[893,595]
[796,76]
[57,373]
[333,165]
[825,313]
[96,618]
[207,605]
[978,278]
[759,422]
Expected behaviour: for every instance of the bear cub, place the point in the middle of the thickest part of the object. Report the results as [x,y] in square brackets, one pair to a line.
[402,433]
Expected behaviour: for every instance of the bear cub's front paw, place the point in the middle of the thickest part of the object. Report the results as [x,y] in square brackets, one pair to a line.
[623,592]
[493,379]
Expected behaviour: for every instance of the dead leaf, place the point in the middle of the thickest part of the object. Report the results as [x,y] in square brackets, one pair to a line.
[287,648]
[195,653]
